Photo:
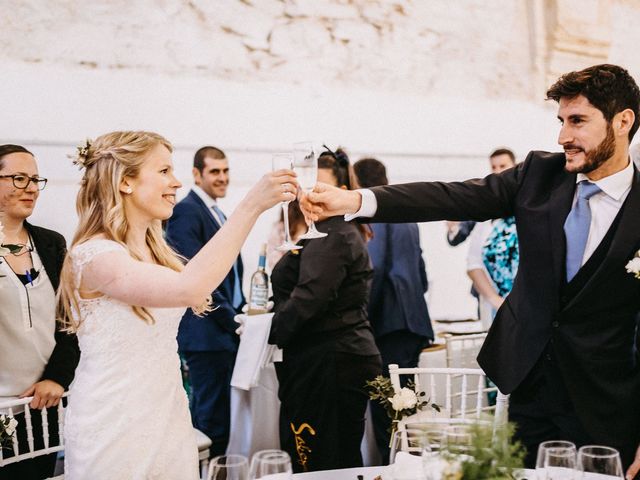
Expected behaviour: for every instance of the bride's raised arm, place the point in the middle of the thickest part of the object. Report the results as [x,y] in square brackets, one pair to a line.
[118,275]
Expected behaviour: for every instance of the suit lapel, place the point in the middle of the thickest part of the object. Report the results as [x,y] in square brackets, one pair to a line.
[207,211]
[560,205]
[625,238]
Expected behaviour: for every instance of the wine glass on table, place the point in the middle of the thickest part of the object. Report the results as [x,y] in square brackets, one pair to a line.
[560,464]
[541,473]
[601,460]
[281,161]
[272,465]
[306,166]
[229,467]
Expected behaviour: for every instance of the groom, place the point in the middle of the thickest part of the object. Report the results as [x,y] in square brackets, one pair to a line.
[563,344]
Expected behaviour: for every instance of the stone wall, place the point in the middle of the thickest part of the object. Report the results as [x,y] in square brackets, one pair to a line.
[428,86]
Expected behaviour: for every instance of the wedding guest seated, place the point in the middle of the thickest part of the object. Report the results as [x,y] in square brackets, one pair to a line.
[320,294]
[36,358]
[397,309]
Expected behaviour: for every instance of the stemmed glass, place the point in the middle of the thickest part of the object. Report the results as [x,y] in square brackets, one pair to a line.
[597,459]
[272,464]
[408,448]
[306,165]
[228,467]
[542,454]
[560,463]
[281,161]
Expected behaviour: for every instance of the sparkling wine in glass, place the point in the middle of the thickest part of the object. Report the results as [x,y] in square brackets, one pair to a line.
[306,166]
[281,161]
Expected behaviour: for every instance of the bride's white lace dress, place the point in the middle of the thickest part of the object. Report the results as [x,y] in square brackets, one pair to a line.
[128,415]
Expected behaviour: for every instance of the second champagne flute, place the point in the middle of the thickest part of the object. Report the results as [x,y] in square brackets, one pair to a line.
[281,161]
[306,165]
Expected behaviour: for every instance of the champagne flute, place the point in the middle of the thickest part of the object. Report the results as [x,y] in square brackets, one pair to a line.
[281,161]
[229,467]
[272,465]
[599,459]
[306,165]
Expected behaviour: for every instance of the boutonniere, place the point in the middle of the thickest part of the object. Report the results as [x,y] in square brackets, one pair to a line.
[633,266]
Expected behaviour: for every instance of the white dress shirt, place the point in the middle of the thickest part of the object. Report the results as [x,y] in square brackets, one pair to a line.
[604,205]
[208,201]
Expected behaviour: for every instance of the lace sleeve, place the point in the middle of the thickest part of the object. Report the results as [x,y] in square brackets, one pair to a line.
[82,254]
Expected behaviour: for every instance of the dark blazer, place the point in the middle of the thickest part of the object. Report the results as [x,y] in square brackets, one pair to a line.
[464,230]
[399,281]
[64,359]
[593,332]
[188,229]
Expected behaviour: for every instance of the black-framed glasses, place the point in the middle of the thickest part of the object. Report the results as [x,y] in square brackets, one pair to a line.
[22,181]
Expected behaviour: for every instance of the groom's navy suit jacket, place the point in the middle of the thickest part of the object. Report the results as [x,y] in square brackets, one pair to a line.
[591,329]
[188,229]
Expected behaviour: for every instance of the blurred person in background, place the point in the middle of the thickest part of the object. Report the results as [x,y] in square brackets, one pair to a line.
[493,257]
[397,308]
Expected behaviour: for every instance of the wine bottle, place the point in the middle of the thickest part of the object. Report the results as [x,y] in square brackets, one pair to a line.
[259,293]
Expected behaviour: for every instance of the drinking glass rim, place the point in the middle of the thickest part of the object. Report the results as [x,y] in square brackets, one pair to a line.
[561,452]
[567,444]
[612,451]
[235,460]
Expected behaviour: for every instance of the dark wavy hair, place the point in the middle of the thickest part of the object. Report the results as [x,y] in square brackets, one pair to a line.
[8,148]
[609,88]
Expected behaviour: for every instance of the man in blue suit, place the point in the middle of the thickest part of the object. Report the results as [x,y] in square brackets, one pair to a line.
[397,309]
[209,344]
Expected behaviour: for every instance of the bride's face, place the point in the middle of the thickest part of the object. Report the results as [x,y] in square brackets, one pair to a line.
[153,191]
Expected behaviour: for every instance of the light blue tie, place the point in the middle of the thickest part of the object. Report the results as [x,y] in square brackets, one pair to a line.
[237,289]
[576,227]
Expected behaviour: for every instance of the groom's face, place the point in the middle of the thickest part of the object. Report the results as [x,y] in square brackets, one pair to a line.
[586,136]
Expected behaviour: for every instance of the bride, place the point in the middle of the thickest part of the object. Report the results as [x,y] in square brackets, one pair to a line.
[123,290]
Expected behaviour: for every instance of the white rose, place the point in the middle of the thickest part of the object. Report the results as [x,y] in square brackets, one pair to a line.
[405,398]
[634,265]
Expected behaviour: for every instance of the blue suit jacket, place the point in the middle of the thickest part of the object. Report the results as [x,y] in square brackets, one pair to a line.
[399,281]
[188,229]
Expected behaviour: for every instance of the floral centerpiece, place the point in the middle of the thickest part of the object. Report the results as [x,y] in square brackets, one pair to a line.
[403,403]
[8,426]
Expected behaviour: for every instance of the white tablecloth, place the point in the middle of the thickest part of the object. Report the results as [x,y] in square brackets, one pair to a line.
[368,473]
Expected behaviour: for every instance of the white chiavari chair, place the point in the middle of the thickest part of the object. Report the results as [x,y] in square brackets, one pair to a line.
[35,446]
[461,394]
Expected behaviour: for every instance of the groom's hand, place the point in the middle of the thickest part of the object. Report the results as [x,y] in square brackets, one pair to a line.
[46,393]
[329,201]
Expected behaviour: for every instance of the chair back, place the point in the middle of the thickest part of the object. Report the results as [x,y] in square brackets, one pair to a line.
[461,394]
[36,444]
[462,350]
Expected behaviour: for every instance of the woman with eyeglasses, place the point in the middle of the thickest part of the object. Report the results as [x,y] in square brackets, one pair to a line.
[36,359]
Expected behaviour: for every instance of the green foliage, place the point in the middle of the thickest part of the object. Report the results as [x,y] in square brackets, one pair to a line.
[489,456]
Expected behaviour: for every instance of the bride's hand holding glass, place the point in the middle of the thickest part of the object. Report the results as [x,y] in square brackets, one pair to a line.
[273,188]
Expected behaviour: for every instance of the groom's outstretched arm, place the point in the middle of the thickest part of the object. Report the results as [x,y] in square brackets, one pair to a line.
[477,199]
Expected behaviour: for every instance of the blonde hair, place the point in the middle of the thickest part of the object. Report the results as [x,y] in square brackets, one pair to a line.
[105,162]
